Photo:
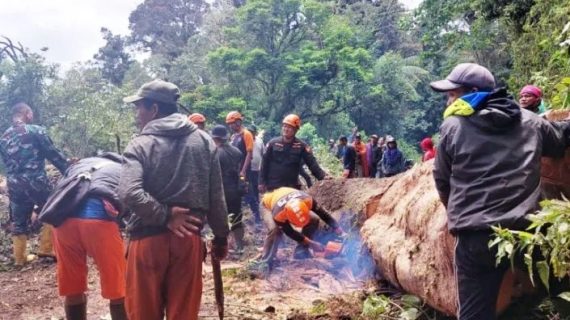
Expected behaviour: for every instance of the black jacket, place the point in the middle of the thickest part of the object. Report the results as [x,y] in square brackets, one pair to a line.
[230,164]
[90,177]
[487,168]
[349,158]
[282,163]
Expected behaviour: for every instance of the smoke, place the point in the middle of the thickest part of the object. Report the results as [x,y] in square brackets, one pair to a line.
[355,256]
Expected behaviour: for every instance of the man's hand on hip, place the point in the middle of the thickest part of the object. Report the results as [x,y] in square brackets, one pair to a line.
[182,224]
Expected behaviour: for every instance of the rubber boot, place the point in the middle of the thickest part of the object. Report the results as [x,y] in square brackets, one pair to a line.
[19,249]
[76,312]
[118,311]
[46,245]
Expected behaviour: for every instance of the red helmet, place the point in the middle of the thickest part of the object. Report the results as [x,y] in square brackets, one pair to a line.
[233,116]
[293,120]
[197,118]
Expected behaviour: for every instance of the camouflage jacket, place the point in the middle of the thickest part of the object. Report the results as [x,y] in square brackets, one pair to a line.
[23,149]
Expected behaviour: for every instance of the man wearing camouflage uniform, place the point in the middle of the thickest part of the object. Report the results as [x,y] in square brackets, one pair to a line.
[24,148]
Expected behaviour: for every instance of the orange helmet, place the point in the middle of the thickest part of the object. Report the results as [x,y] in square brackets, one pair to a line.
[233,116]
[293,120]
[297,212]
[197,118]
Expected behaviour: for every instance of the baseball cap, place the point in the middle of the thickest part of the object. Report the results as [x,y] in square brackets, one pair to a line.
[157,90]
[219,132]
[466,74]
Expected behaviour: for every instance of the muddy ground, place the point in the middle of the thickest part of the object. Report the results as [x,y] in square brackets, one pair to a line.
[295,289]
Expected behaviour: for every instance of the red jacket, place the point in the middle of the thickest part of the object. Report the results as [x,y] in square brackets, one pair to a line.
[428,148]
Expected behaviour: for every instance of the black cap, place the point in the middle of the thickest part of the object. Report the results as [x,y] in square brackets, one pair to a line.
[220,132]
[466,75]
[157,90]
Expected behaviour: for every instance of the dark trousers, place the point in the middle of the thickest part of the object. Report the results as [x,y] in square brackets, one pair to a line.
[478,278]
[252,197]
[233,203]
[23,198]
[372,171]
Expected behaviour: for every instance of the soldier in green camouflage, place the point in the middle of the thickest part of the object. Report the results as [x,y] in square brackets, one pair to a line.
[24,147]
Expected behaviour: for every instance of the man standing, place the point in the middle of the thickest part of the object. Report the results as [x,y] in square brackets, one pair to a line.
[230,159]
[84,209]
[348,158]
[242,139]
[24,148]
[171,181]
[361,161]
[372,155]
[340,148]
[487,173]
[253,196]
[393,161]
[284,158]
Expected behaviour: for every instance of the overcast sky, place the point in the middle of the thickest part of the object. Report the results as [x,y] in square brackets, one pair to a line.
[70,28]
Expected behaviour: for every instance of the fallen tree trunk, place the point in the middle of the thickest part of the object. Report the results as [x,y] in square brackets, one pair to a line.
[404,224]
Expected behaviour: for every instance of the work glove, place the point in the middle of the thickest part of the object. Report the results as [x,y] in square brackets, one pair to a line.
[339,232]
[182,224]
[316,246]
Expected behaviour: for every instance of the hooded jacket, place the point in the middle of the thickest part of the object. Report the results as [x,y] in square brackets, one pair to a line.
[487,167]
[428,149]
[393,161]
[172,163]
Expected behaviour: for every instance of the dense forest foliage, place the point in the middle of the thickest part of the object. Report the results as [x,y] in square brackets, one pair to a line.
[338,64]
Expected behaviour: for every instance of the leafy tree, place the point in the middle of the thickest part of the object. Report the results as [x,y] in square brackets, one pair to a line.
[24,79]
[293,56]
[112,58]
[164,26]
[88,114]
[377,23]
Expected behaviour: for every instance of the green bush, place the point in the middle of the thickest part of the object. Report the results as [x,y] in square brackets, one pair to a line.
[549,233]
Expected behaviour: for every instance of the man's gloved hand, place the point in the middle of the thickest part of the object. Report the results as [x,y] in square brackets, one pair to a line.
[316,246]
[339,232]
[219,249]
[182,223]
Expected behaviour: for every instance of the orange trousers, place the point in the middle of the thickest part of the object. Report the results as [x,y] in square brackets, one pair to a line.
[164,276]
[78,238]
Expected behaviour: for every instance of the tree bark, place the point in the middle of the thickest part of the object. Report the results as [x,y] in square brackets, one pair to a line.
[404,224]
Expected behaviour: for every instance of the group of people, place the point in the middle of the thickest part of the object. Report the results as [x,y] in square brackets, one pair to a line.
[380,157]
[173,178]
